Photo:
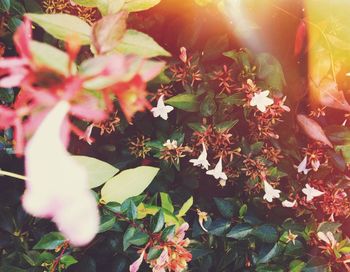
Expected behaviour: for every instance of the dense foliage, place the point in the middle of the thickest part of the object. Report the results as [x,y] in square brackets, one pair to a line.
[202,160]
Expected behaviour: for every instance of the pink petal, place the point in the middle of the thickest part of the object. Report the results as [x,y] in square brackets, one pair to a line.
[12,80]
[136,265]
[56,184]
[22,38]
[313,129]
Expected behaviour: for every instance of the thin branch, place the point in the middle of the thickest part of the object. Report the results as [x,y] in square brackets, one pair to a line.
[13,175]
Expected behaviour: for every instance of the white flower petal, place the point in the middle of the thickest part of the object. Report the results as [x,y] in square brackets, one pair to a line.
[289,204]
[57,185]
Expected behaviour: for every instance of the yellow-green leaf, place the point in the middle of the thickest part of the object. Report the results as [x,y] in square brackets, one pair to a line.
[61,26]
[128,183]
[138,43]
[58,59]
[98,171]
[139,5]
[185,207]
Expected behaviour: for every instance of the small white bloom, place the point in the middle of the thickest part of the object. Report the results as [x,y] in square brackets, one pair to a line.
[328,238]
[270,192]
[217,171]
[302,167]
[222,182]
[170,144]
[161,110]
[87,135]
[202,159]
[311,192]
[261,100]
[315,165]
[289,204]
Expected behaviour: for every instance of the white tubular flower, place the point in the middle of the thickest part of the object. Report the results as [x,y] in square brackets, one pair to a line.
[311,192]
[202,159]
[57,186]
[270,192]
[289,204]
[261,100]
[161,110]
[302,166]
[217,171]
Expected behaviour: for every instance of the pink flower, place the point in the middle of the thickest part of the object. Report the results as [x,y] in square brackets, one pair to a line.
[15,69]
[56,184]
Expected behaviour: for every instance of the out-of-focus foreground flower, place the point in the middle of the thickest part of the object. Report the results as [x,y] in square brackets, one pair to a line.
[57,185]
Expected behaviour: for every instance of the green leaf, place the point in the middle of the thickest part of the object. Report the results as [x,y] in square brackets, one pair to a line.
[98,171]
[185,207]
[226,207]
[296,266]
[208,106]
[104,6]
[139,5]
[240,231]
[13,24]
[157,222]
[168,231]
[339,135]
[269,252]
[294,250]
[225,126]
[243,211]
[166,202]
[32,6]
[5,5]
[236,99]
[153,253]
[62,26]
[50,241]
[68,260]
[266,233]
[107,222]
[128,183]
[270,70]
[186,102]
[58,59]
[129,208]
[328,226]
[7,95]
[219,227]
[17,8]
[134,236]
[140,44]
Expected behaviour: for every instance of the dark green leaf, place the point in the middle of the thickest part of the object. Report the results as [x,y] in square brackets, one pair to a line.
[168,231]
[134,236]
[226,207]
[153,253]
[157,222]
[50,241]
[240,231]
[13,23]
[5,5]
[219,227]
[269,252]
[266,233]
[107,222]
